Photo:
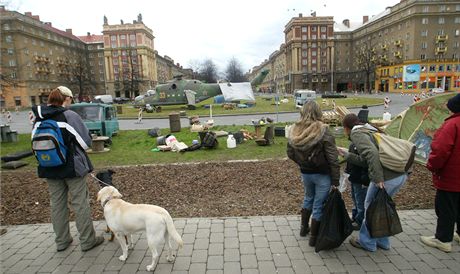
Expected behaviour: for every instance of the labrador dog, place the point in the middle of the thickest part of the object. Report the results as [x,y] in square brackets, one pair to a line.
[125,218]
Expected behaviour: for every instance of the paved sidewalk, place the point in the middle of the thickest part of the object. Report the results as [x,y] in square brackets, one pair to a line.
[230,245]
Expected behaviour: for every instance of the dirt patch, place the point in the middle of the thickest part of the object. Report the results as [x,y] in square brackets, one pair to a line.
[195,190]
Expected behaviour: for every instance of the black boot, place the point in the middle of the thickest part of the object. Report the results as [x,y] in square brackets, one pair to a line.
[305,218]
[314,232]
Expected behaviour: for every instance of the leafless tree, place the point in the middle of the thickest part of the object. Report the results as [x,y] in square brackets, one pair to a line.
[234,72]
[365,62]
[208,71]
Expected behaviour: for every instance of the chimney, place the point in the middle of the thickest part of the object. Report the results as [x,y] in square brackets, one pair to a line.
[88,34]
[48,24]
[36,17]
[346,22]
[28,13]
[300,15]
[365,19]
[69,31]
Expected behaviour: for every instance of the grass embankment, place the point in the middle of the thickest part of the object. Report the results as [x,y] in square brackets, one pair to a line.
[263,105]
[132,147]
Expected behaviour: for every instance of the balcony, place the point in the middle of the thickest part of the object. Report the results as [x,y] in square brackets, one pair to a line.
[397,43]
[323,80]
[441,50]
[373,59]
[383,58]
[384,47]
[441,38]
[397,54]
[373,50]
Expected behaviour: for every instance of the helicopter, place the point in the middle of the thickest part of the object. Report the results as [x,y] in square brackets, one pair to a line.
[185,92]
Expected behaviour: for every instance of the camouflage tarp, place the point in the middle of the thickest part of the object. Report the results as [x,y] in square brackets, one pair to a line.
[419,123]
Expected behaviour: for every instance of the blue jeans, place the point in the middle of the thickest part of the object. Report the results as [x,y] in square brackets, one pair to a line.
[358,194]
[316,188]
[392,187]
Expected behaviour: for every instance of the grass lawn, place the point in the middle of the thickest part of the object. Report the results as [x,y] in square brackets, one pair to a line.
[263,105]
[134,147]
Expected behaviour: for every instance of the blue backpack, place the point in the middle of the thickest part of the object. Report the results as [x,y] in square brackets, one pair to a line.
[48,144]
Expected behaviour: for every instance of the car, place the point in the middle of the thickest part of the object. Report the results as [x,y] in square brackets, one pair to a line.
[121,100]
[100,119]
[437,90]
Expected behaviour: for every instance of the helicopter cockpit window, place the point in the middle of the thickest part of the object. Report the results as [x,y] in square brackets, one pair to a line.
[150,92]
[173,86]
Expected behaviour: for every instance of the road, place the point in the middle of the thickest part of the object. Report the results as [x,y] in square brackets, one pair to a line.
[20,120]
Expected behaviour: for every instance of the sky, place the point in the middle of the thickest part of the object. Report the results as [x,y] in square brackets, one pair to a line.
[192,31]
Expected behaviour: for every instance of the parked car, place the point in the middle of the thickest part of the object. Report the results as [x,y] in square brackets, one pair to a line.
[106,99]
[101,119]
[437,90]
[121,100]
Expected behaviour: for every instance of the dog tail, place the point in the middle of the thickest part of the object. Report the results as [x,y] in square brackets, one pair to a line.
[172,231]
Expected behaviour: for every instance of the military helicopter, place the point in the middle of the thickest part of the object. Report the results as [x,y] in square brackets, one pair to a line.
[183,92]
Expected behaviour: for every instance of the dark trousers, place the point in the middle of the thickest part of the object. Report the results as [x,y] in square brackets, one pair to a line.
[447,207]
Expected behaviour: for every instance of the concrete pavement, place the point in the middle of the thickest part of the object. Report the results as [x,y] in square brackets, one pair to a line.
[265,244]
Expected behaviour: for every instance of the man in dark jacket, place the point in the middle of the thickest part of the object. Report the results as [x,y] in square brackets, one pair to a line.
[69,177]
[444,164]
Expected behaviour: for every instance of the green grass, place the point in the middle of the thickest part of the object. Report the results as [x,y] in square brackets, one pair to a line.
[132,147]
[262,106]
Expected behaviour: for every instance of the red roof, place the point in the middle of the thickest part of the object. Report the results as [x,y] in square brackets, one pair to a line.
[89,39]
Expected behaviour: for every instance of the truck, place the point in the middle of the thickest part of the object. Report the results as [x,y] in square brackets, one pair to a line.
[303,95]
[100,119]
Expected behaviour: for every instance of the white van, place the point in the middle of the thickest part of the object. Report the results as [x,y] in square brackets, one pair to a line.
[303,95]
[106,99]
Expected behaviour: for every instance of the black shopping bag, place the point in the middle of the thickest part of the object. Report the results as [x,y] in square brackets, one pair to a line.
[335,224]
[381,216]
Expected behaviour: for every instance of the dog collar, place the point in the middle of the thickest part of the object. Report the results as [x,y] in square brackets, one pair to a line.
[107,200]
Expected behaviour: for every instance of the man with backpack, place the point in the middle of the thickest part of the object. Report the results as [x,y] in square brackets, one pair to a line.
[444,163]
[59,140]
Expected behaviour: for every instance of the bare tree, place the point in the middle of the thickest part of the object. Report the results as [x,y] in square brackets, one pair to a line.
[365,62]
[234,72]
[208,71]
[79,76]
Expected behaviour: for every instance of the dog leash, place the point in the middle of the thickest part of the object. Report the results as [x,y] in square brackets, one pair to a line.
[97,179]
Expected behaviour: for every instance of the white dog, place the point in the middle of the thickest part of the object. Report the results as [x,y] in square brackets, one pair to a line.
[125,219]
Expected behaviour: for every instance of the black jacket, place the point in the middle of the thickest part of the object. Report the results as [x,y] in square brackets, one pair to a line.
[358,174]
[76,137]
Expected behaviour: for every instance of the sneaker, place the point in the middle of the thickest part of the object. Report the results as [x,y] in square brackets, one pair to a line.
[457,238]
[355,242]
[99,240]
[433,242]
[59,249]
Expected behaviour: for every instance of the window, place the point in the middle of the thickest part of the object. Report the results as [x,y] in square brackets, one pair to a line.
[313,28]
[313,53]
[441,32]
[304,37]
[123,37]
[457,32]
[17,101]
[12,63]
[14,75]
[323,29]
[313,36]
[424,33]
[441,68]
[426,9]
[113,38]
[457,7]
[304,53]
[424,45]
[448,67]
[9,39]
[26,51]
[10,51]
[304,29]
[115,62]
[407,36]
[457,20]
[422,56]
[313,45]
[442,8]
[323,69]
[132,37]
[424,21]
[304,61]
[313,61]
[42,44]
[455,56]
[456,44]
[323,36]
[304,45]
[441,20]
[432,68]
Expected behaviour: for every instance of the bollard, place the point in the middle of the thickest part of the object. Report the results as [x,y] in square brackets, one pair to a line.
[139,116]
[8,117]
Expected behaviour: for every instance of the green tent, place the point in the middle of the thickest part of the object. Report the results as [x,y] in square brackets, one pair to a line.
[419,123]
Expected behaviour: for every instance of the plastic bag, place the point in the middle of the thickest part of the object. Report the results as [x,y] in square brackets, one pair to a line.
[381,217]
[343,181]
[335,224]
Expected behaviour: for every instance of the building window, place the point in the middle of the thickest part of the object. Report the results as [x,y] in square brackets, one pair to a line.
[424,33]
[457,20]
[12,63]
[441,68]
[441,32]
[123,37]
[9,39]
[442,8]
[313,29]
[448,67]
[432,68]
[424,21]
[304,45]
[441,20]
[323,29]
[457,32]
[323,69]
[304,29]
[10,51]
[313,36]
[455,56]
[17,101]
[115,62]
[113,38]
[424,45]
[6,26]
[313,61]
[456,44]
[313,45]
[422,56]
[426,9]
[304,53]
[313,53]
[304,37]
[304,62]
[323,36]
[132,37]
[407,36]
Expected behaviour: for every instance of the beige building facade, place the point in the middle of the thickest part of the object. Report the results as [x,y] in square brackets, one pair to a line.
[365,55]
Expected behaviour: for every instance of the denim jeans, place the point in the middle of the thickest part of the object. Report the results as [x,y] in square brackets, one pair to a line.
[358,193]
[392,187]
[316,188]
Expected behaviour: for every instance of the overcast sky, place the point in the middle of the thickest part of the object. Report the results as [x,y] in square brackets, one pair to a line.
[191,31]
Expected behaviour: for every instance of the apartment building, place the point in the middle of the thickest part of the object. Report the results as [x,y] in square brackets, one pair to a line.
[167,69]
[416,37]
[36,57]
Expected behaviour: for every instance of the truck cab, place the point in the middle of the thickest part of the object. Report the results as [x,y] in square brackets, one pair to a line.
[303,95]
[100,119]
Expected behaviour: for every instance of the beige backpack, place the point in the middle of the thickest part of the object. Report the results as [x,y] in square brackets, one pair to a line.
[395,154]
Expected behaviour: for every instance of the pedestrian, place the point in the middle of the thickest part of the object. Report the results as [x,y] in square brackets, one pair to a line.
[359,179]
[415,98]
[386,102]
[443,160]
[312,146]
[68,179]
[380,177]
[363,114]
[139,115]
